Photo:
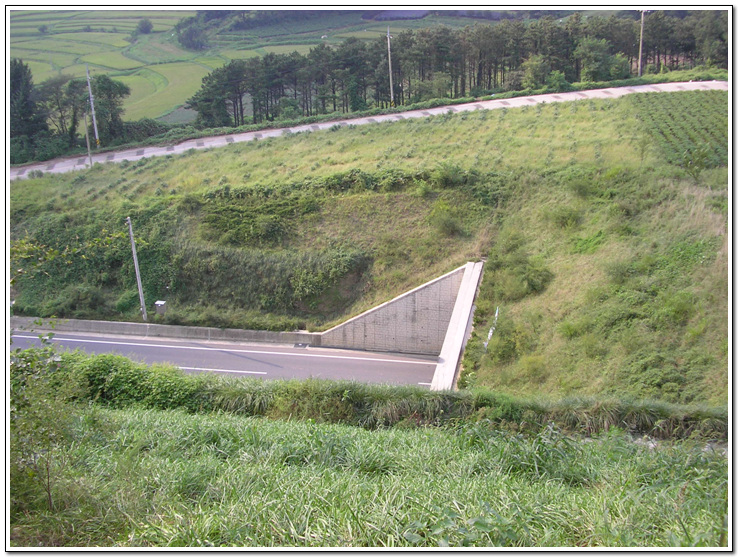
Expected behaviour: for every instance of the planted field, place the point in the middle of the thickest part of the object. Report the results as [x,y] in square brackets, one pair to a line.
[113,61]
[211,62]
[239,54]
[682,124]
[57,60]
[286,49]
[44,70]
[117,40]
[182,80]
[101,39]
[67,47]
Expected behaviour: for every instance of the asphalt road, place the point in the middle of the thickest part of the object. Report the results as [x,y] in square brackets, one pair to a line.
[81,162]
[253,360]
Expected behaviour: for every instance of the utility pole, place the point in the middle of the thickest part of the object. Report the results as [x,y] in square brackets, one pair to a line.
[92,106]
[87,139]
[138,274]
[640,47]
[389,58]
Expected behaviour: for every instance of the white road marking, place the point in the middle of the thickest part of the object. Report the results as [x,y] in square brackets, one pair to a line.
[224,370]
[429,384]
[301,354]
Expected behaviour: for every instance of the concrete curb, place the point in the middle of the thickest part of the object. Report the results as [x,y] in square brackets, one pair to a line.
[458,331]
[164,331]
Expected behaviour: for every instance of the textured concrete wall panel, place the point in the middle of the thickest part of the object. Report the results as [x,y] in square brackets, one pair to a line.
[414,322]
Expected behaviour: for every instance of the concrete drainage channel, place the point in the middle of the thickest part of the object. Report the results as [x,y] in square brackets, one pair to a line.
[432,319]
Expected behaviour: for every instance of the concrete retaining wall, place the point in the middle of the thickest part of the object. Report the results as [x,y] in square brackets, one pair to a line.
[414,322]
[170,331]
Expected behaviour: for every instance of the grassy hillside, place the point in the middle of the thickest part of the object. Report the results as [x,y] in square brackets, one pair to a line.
[106,452]
[605,237]
[168,479]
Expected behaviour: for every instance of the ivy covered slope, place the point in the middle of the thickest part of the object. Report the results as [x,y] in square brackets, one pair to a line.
[604,225]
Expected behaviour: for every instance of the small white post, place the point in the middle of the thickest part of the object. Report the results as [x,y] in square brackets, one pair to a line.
[492,329]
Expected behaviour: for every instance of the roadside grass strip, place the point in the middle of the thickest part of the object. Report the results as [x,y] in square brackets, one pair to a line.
[145,478]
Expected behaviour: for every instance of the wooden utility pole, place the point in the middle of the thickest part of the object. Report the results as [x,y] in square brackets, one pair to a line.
[640,48]
[92,107]
[87,139]
[138,274]
[389,59]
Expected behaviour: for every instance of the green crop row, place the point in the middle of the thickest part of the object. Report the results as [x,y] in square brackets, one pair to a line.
[685,122]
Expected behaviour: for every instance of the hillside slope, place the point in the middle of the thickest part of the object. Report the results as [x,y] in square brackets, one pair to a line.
[604,229]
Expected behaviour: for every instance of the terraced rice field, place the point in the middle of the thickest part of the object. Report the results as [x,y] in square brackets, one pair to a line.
[56,43]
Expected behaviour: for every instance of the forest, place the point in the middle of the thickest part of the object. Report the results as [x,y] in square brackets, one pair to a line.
[441,62]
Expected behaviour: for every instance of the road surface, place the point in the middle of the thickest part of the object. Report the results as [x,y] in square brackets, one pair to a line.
[81,162]
[252,360]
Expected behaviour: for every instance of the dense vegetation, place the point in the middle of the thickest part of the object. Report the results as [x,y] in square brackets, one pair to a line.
[608,263]
[114,473]
[638,298]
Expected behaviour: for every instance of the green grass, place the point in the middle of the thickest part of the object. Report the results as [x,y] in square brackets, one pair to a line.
[106,452]
[166,479]
[117,40]
[634,261]
[177,79]
[238,54]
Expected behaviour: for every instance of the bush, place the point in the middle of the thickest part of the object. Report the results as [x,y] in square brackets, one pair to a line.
[40,419]
[118,382]
[445,219]
[143,129]
[144,26]
[77,301]
[447,175]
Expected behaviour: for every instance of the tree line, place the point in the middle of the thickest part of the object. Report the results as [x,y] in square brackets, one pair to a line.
[441,62]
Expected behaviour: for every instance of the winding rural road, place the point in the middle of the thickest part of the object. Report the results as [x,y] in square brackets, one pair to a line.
[82,162]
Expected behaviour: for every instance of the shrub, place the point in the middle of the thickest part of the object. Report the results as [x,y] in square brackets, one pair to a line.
[118,382]
[445,219]
[77,301]
[564,216]
[40,419]
[447,175]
